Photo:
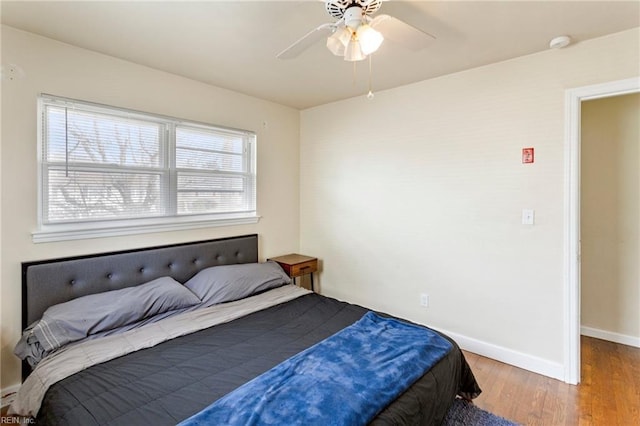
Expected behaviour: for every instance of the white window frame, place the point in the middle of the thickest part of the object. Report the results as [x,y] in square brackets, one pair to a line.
[171,221]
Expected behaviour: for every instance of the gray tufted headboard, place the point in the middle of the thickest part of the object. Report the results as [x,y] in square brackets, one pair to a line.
[49,282]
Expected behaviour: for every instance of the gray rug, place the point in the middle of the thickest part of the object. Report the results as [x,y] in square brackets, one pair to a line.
[463,413]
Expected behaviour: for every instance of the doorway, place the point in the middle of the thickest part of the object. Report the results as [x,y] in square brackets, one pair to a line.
[572,253]
[609,219]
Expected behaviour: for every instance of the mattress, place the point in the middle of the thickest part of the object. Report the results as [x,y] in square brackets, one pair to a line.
[170,382]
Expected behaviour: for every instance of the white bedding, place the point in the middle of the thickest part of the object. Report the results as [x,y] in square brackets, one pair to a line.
[75,358]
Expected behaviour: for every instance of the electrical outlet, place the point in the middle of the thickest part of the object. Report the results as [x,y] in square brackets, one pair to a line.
[424,300]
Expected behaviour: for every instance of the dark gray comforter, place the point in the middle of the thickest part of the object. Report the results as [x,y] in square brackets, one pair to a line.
[174,380]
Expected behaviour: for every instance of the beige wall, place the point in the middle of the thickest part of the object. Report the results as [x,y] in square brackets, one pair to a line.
[610,214]
[419,190]
[60,69]
[422,190]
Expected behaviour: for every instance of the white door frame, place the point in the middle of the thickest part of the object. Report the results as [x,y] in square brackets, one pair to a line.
[573,100]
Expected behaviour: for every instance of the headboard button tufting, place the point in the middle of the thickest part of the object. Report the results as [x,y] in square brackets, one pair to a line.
[53,281]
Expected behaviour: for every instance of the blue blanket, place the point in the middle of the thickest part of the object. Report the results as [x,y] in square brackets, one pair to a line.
[345,379]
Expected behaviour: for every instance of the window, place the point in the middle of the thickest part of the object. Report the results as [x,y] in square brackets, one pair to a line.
[109,171]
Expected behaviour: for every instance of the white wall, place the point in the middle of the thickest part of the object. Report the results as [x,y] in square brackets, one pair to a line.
[64,70]
[610,217]
[422,189]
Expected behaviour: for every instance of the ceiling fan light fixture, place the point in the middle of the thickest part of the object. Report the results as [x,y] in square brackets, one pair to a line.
[354,16]
[370,39]
[354,51]
[337,42]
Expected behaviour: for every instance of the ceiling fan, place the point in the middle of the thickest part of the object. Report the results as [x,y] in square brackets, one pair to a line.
[357,34]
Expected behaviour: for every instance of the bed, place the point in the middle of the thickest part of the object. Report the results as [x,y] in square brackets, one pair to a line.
[160,373]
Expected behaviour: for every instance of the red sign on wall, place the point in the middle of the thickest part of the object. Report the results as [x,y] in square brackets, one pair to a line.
[527,155]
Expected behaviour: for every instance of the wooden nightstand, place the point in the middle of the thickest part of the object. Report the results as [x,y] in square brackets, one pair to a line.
[297,265]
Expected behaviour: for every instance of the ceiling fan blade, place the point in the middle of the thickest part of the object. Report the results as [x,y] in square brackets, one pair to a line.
[306,41]
[401,32]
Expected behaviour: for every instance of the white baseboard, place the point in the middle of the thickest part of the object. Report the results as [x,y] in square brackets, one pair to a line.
[8,395]
[611,336]
[509,356]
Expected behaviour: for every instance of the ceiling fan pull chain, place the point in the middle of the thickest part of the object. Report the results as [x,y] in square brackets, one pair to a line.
[370,95]
[354,73]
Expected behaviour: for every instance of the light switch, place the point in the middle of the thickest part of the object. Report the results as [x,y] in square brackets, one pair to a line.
[528,216]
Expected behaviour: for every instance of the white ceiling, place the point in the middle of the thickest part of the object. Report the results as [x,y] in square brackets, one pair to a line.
[233,44]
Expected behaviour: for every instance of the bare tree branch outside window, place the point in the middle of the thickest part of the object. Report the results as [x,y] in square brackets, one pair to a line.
[106,164]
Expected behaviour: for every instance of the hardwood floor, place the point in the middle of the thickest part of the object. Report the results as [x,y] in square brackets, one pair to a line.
[608,395]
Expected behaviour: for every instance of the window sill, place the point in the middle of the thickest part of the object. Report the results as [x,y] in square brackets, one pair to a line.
[66,232]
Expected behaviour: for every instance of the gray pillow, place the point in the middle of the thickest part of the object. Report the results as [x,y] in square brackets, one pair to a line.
[225,283]
[78,318]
